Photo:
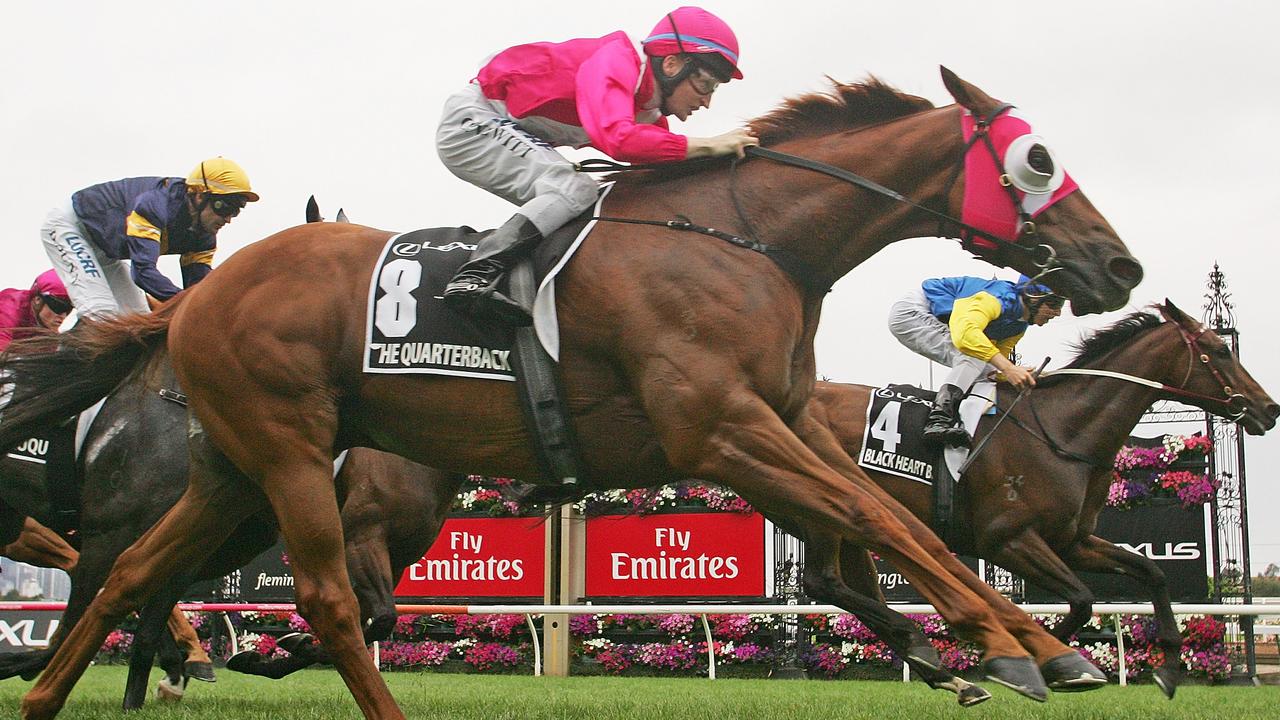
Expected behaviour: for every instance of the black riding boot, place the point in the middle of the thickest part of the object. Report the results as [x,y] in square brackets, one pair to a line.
[473,290]
[941,427]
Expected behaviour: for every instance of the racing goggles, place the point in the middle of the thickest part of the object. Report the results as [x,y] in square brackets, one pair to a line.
[227,206]
[60,306]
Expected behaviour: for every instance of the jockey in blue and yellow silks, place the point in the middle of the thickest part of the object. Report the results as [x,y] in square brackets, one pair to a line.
[969,324]
[105,240]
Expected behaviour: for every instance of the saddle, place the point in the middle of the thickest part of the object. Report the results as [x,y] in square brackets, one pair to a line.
[410,330]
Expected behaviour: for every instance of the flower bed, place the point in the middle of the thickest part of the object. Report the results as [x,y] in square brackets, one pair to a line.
[838,646]
[1141,474]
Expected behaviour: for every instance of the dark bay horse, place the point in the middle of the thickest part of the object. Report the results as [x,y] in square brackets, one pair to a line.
[24,504]
[681,357]
[1060,444]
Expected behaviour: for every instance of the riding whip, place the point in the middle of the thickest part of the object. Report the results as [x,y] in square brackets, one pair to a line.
[973,455]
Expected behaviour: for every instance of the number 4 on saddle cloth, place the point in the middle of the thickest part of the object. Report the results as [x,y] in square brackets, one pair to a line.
[892,441]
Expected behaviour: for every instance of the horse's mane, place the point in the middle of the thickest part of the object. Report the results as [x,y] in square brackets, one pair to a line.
[1109,338]
[844,107]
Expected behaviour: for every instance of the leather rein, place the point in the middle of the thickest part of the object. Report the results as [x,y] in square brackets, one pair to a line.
[1040,255]
[1227,404]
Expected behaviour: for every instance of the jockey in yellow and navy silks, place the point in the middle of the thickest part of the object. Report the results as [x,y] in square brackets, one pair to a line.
[106,239]
[969,324]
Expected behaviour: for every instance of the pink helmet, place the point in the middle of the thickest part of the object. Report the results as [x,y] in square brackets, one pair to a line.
[694,30]
[48,283]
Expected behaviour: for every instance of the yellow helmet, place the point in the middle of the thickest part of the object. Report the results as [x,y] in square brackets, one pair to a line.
[220,176]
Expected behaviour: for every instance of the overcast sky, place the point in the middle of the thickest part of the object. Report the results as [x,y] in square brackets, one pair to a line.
[1164,111]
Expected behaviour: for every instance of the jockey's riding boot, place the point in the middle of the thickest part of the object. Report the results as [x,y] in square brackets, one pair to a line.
[473,290]
[940,428]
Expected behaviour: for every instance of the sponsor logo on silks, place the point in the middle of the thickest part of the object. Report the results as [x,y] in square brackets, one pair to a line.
[87,262]
[426,353]
[1189,550]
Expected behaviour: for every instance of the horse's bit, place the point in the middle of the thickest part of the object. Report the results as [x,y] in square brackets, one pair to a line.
[1191,341]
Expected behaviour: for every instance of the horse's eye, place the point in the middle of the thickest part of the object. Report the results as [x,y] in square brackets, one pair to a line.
[1040,160]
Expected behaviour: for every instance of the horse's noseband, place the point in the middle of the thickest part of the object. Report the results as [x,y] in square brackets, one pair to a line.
[1231,400]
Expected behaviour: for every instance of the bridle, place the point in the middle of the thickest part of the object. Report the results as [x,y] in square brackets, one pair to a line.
[1226,404]
[1040,255]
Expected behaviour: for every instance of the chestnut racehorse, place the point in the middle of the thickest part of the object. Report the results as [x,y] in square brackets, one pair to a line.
[681,357]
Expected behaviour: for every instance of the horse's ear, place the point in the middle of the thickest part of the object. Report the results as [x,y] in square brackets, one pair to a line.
[313,210]
[342,216]
[969,96]
[1173,313]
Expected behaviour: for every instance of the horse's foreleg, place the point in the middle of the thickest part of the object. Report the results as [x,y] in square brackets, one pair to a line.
[1026,554]
[152,641]
[1093,554]
[203,516]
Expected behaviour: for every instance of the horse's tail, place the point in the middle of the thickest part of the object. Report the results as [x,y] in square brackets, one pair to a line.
[48,378]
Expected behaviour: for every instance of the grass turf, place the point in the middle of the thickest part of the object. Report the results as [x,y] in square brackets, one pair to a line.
[320,695]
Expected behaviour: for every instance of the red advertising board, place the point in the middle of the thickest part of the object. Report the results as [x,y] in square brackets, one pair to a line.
[678,555]
[480,557]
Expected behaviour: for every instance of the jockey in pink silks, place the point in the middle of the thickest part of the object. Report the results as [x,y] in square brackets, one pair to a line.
[500,132]
[25,312]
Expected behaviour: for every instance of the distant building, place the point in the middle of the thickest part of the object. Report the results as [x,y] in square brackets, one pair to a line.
[33,582]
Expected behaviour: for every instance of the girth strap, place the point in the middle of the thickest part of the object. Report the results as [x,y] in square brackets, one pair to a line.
[791,263]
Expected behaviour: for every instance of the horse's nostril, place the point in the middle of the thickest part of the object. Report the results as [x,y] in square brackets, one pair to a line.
[1273,411]
[1125,270]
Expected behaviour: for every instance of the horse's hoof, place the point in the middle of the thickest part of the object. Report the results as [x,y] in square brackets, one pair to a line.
[1168,678]
[169,692]
[296,642]
[199,670]
[1019,674]
[924,655]
[244,661]
[379,628]
[972,695]
[1072,673]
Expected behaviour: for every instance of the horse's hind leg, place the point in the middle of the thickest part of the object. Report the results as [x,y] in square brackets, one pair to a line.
[1027,555]
[198,664]
[205,515]
[1093,554]
[306,506]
